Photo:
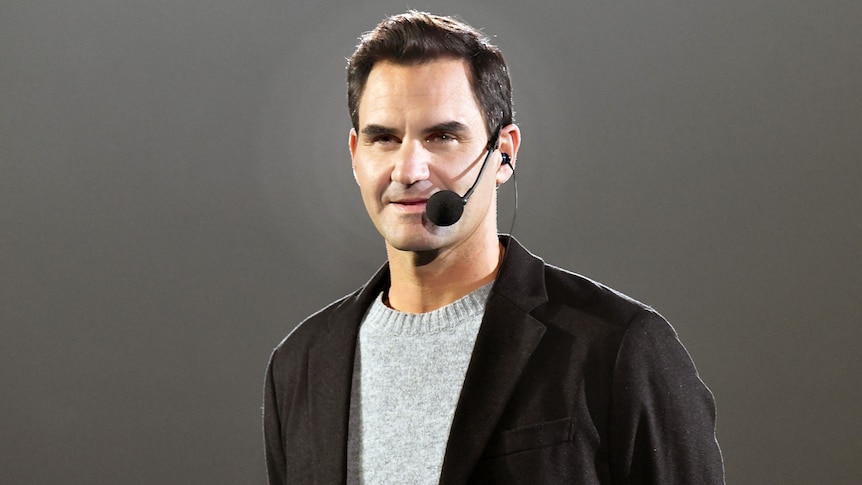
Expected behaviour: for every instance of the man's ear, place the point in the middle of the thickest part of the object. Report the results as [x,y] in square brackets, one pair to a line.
[351,145]
[510,141]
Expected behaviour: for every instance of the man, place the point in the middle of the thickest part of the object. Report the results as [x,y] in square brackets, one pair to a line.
[466,359]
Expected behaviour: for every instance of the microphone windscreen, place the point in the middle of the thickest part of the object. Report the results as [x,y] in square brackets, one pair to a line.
[444,208]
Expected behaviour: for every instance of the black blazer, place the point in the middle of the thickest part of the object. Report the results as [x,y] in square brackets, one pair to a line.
[569,382]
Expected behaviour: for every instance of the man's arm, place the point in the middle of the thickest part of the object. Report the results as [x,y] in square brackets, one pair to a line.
[275,458]
[662,421]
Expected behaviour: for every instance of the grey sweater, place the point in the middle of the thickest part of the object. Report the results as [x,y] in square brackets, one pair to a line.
[408,373]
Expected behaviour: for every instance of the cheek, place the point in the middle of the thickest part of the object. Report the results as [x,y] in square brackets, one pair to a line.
[370,179]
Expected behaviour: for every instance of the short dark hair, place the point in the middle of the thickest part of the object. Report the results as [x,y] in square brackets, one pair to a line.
[418,37]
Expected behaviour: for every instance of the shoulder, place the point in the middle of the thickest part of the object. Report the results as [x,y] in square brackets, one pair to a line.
[637,341]
[306,332]
[338,318]
[568,303]
[576,298]
[321,327]
[640,340]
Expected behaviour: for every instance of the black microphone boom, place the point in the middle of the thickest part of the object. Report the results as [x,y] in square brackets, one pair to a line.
[445,207]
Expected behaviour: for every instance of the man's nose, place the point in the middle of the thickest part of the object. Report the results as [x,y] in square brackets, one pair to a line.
[411,164]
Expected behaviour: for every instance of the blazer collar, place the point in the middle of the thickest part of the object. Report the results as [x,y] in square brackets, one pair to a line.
[330,372]
[522,276]
[506,340]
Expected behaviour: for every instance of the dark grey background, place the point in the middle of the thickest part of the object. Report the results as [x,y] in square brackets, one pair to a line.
[175,195]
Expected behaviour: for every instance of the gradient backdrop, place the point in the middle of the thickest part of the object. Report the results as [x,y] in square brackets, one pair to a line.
[176,194]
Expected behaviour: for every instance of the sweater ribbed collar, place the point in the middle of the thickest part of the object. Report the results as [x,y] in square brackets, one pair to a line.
[388,321]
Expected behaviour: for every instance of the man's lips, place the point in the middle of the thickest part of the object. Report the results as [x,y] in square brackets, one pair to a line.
[413,204]
[410,201]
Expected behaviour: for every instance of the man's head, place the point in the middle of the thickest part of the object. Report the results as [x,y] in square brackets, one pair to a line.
[416,38]
[426,95]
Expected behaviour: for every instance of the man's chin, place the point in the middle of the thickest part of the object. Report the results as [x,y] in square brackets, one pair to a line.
[414,246]
[415,243]
[417,239]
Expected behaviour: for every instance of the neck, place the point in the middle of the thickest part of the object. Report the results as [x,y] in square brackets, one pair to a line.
[423,282]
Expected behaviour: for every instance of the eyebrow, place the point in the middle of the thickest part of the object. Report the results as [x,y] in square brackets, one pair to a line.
[455,127]
[377,130]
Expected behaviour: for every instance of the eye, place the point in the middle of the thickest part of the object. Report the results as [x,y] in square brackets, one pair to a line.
[384,139]
[441,137]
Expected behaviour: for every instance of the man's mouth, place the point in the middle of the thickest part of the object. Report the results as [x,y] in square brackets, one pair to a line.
[410,205]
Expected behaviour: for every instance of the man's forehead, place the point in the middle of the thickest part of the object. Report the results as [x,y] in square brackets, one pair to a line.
[419,77]
[429,94]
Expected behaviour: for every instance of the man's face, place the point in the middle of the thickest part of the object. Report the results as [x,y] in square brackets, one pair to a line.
[421,131]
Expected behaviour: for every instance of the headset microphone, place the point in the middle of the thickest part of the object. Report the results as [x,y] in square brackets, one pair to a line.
[445,207]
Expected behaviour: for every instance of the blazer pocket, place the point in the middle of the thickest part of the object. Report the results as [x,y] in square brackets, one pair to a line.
[531,437]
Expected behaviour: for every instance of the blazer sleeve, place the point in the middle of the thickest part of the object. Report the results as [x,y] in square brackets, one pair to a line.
[662,416]
[276,461]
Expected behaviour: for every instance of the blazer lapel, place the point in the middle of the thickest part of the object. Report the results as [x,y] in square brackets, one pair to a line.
[505,343]
[330,372]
